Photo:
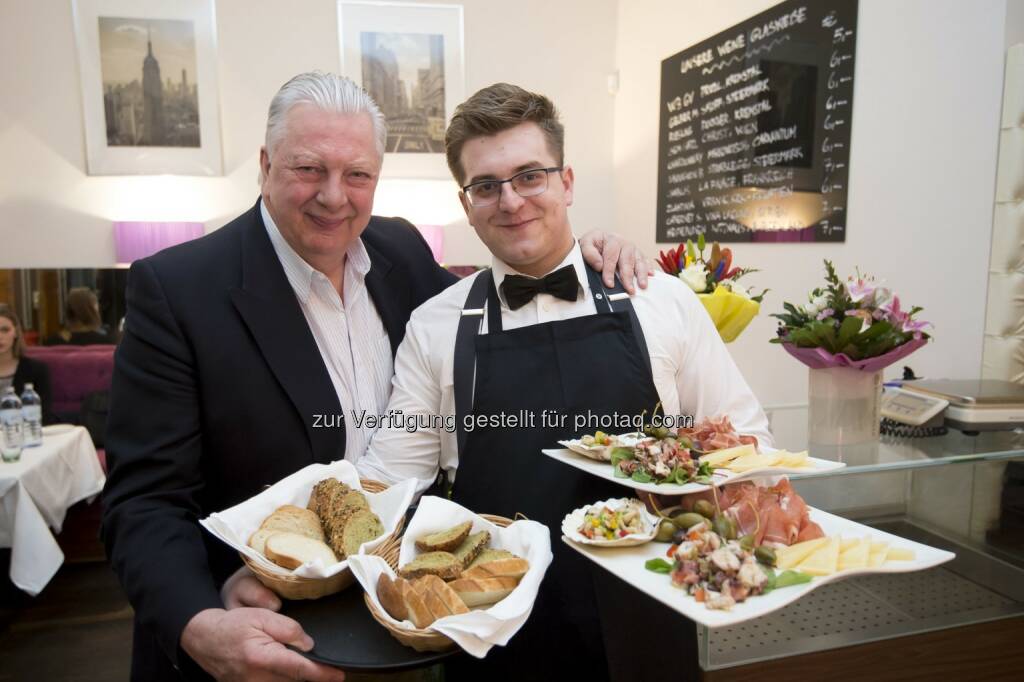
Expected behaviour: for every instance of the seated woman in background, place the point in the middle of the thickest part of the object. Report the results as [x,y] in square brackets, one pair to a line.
[82,323]
[16,369]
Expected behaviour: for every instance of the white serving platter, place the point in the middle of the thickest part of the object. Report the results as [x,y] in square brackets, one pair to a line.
[720,476]
[574,519]
[627,563]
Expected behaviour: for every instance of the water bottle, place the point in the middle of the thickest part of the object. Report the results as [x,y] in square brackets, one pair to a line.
[10,426]
[32,414]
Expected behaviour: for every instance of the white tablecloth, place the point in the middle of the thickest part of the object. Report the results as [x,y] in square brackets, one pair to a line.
[35,494]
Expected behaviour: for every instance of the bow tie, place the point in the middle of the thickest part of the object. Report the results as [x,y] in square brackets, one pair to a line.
[520,290]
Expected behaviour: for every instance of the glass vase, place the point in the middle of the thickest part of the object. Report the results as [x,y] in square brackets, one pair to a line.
[844,406]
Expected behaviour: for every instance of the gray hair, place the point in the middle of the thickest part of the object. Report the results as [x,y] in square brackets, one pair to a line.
[327,91]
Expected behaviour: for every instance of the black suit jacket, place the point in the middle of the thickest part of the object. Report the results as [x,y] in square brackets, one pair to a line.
[216,384]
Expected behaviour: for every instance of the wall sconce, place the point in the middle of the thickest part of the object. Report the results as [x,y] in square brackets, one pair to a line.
[135,240]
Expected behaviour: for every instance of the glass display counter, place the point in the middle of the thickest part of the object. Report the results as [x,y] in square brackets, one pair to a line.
[956,492]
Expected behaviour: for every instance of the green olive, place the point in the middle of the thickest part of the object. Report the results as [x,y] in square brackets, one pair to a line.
[687,520]
[724,526]
[704,508]
[666,529]
[766,555]
[747,542]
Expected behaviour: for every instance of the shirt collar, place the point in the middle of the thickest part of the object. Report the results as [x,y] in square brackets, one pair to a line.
[300,273]
[500,270]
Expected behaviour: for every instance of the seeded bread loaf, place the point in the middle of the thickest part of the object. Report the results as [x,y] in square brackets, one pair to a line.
[445,540]
[471,548]
[362,526]
[489,554]
[442,564]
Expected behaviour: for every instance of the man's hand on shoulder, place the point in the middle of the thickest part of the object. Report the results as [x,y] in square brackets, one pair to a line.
[607,251]
[249,644]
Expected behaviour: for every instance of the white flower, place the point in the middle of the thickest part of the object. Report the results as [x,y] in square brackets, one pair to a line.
[816,305]
[696,277]
[736,288]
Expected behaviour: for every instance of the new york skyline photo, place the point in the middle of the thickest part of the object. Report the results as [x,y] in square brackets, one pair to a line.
[150,94]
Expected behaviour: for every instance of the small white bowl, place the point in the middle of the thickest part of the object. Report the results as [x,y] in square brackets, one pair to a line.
[572,522]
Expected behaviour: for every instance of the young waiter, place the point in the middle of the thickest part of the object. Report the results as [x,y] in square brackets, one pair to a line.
[539,334]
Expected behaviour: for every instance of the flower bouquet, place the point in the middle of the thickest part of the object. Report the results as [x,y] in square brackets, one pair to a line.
[715,281]
[847,333]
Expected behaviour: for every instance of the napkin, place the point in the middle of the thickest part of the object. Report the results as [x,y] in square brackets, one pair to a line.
[477,631]
[234,526]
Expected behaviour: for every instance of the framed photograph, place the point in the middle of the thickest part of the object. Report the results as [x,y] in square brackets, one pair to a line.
[149,86]
[409,58]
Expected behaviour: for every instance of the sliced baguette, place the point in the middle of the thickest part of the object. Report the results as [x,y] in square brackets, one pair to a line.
[258,540]
[416,606]
[441,599]
[445,540]
[483,591]
[471,548]
[499,568]
[391,598]
[291,550]
[442,564]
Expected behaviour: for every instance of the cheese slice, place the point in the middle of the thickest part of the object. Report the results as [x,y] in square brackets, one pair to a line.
[847,543]
[876,557]
[856,556]
[822,561]
[899,554]
[788,557]
[793,460]
[755,461]
[720,458]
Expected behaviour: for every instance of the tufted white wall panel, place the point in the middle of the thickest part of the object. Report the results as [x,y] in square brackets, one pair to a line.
[1003,352]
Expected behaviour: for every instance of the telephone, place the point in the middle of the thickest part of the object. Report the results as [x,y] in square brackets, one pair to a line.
[911,414]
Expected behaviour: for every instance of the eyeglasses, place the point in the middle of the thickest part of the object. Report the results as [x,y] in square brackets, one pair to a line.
[529,183]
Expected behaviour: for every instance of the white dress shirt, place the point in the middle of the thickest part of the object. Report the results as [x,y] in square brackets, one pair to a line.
[693,372]
[349,333]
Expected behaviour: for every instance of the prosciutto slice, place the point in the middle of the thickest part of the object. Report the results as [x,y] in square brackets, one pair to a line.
[716,434]
[774,515]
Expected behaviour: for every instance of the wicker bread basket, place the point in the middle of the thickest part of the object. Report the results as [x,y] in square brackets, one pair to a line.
[420,640]
[296,587]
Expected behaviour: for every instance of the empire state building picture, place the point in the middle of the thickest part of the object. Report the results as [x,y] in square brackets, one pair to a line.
[150,98]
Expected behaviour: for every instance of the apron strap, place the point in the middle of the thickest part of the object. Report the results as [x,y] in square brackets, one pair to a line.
[617,300]
[483,292]
[465,349]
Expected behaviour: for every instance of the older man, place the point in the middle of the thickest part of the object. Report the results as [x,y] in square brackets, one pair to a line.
[539,331]
[233,344]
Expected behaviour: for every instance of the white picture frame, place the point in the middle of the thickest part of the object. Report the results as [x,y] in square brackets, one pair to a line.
[387,39]
[132,126]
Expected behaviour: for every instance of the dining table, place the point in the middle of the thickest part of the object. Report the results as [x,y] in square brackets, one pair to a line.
[35,494]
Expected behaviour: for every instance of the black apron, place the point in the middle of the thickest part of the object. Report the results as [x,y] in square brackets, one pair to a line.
[596,364]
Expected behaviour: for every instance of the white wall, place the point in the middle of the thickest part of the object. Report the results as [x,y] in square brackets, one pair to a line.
[52,214]
[928,85]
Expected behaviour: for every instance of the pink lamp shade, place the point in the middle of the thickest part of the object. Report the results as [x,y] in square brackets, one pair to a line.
[434,234]
[135,240]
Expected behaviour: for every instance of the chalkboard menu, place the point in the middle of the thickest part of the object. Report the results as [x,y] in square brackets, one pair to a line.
[754,142]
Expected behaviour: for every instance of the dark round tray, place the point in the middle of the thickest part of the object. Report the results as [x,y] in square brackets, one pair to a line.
[346,636]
